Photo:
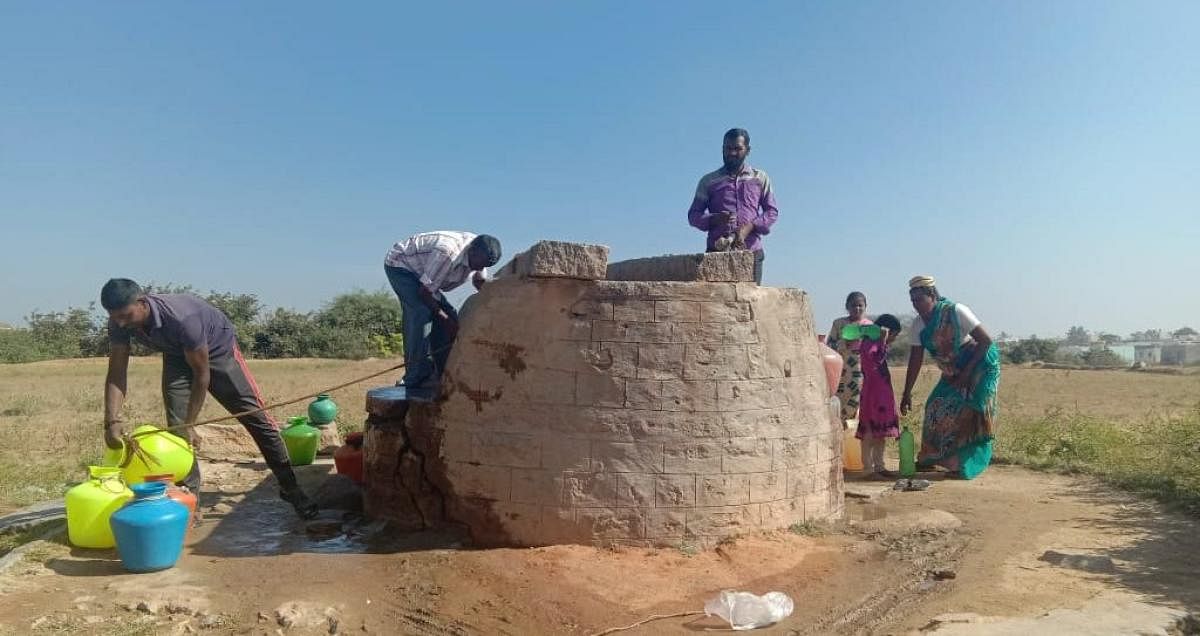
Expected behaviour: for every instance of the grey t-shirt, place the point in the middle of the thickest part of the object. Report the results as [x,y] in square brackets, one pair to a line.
[178,323]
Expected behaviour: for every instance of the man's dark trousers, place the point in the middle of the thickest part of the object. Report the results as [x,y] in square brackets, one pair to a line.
[234,388]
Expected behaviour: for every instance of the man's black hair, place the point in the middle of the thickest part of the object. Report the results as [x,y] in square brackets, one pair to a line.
[734,133]
[119,293]
[489,246]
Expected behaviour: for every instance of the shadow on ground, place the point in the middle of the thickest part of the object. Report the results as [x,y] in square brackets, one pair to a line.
[1163,558]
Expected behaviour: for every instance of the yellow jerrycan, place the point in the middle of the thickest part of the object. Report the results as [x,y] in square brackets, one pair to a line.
[162,453]
[90,504]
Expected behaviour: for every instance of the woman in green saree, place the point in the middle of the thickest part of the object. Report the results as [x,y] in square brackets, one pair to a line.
[960,413]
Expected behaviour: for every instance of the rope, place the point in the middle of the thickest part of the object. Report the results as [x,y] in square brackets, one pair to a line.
[234,416]
[655,617]
[133,449]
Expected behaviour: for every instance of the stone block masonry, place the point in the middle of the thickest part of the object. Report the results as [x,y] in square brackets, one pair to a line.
[558,259]
[635,412]
[730,267]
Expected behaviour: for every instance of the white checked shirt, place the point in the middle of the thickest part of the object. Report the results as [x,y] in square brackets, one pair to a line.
[439,258]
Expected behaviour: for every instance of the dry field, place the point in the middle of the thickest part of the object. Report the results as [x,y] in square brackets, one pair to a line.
[51,413]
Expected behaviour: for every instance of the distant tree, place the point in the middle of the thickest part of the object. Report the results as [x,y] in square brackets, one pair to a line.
[1102,357]
[18,345]
[1184,331]
[1032,349]
[242,310]
[354,325]
[286,334]
[65,334]
[358,325]
[1078,336]
[1110,338]
[370,313]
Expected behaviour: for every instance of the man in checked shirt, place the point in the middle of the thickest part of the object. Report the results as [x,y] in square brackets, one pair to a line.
[420,268]
[735,204]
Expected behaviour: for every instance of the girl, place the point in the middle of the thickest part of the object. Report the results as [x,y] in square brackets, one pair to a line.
[851,383]
[877,420]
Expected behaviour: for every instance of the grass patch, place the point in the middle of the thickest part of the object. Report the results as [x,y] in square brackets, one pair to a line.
[21,406]
[140,626]
[1158,456]
[807,529]
[40,553]
[10,541]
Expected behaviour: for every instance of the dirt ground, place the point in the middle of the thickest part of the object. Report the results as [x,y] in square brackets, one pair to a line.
[899,561]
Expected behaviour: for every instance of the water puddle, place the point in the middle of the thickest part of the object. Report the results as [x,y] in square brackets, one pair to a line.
[265,528]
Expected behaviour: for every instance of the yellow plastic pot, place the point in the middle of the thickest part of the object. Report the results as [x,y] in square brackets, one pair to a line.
[91,504]
[163,453]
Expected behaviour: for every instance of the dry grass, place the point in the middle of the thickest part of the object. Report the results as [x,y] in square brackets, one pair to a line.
[1119,396]
[1139,431]
[52,413]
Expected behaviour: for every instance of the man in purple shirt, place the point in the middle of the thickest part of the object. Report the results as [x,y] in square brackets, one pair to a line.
[200,356]
[735,203]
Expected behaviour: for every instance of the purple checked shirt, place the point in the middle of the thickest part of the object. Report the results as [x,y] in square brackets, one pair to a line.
[744,195]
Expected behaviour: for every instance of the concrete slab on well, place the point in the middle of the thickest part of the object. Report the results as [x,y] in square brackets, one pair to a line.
[558,259]
[387,401]
[713,267]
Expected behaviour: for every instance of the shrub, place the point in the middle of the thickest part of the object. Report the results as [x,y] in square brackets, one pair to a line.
[1033,349]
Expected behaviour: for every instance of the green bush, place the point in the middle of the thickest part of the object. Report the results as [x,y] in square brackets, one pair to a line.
[355,325]
[1159,456]
[285,334]
[1031,350]
[1103,357]
[18,345]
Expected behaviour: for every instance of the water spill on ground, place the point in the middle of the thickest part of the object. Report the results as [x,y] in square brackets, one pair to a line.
[264,527]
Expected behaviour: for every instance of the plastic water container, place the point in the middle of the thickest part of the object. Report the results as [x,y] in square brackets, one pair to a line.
[178,493]
[349,458]
[851,448]
[908,454]
[90,506]
[322,410]
[833,362]
[301,440]
[861,332]
[166,453]
[150,529]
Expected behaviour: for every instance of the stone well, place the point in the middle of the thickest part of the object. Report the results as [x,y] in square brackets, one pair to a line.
[630,410]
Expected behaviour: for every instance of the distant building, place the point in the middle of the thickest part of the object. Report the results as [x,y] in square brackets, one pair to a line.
[1150,353]
[1181,353]
[1126,352]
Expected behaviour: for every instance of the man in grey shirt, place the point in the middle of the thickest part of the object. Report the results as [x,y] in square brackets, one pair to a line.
[200,356]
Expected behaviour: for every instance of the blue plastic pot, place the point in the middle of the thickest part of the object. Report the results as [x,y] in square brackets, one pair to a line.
[150,529]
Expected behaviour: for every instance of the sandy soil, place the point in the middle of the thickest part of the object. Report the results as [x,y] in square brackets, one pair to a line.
[900,560]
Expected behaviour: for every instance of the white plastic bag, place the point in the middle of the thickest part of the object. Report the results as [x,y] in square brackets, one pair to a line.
[743,610]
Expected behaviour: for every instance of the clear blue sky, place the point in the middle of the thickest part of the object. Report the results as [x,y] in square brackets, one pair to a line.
[1042,160]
